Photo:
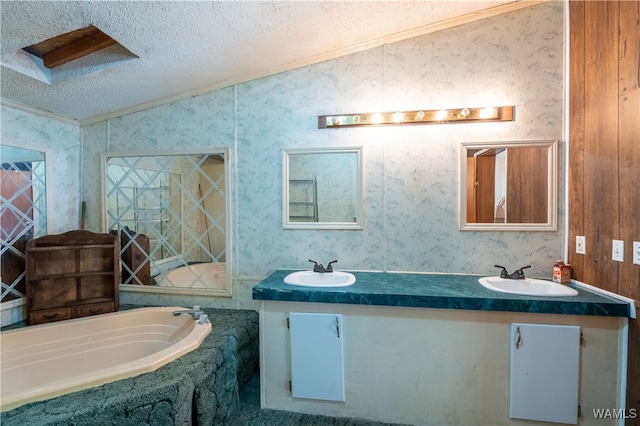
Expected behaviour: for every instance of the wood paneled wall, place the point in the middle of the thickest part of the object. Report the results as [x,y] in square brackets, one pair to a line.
[604,153]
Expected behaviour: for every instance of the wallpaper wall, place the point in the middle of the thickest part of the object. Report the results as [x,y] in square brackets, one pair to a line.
[61,142]
[410,172]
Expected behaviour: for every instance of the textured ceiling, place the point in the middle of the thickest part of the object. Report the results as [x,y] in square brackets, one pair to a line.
[189,47]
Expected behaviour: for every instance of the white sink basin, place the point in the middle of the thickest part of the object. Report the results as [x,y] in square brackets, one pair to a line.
[320,279]
[527,286]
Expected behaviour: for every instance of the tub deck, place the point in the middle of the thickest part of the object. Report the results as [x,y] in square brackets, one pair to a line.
[92,351]
[201,387]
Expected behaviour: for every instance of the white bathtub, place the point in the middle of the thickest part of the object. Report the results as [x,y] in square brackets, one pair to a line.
[44,361]
[198,275]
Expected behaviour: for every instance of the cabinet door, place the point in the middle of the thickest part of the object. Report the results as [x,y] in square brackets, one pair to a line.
[545,362]
[317,357]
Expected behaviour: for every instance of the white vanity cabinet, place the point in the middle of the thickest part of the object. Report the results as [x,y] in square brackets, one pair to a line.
[425,366]
[317,356]
[545,368]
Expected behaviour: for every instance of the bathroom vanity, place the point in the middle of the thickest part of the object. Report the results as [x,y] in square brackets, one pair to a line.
[438,349]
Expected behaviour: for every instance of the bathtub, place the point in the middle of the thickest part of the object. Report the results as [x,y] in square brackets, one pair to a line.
[198,275]
[45,361]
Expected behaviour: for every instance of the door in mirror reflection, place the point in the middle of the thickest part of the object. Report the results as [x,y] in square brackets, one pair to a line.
[509,185]
[23,213]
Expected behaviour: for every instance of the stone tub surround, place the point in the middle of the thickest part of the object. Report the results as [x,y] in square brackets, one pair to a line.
[445,291]
[201,387]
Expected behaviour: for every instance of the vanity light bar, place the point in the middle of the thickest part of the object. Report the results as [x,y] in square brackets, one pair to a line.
[436,116]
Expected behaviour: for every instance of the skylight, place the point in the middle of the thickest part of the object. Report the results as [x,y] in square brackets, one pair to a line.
[69,55]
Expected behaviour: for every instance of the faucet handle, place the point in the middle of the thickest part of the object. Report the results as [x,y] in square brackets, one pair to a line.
[317,267]
[519,273]
[203,319]
[503,273]
[329,267]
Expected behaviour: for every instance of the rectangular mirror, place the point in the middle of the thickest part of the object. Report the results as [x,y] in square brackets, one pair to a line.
[509,186]
[172,214]
[322,188]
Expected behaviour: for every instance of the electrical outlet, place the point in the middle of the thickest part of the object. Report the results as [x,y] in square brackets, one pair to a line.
[618,251]
[636,252]
[580,244]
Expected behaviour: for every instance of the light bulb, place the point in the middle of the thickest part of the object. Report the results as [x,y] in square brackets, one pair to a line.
[441,115]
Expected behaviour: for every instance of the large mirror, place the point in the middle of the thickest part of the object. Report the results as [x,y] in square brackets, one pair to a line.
[172,214]
[322,188]
[23,213]
[509,186]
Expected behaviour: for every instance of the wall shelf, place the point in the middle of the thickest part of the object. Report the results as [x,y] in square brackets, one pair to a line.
[71,275]
[303,203]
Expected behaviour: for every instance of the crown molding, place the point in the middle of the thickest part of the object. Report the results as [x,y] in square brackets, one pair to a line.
[403,35]
[36,111]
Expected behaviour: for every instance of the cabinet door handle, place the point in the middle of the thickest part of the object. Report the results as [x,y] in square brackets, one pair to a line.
[518,338]
[338,327]
[50,316]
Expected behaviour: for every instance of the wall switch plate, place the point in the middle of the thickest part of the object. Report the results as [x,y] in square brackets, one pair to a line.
[618,251]
[580,244]
[636,252]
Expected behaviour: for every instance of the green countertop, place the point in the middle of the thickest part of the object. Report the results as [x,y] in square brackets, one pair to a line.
[445,291]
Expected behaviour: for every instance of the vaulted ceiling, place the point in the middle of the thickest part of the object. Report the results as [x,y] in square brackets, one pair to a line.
[168,50]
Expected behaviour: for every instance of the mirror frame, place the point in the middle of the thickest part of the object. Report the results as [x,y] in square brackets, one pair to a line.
[552,187]
[135,288]
[359,202]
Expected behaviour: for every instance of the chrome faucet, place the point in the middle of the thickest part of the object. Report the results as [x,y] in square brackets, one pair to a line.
[196,313]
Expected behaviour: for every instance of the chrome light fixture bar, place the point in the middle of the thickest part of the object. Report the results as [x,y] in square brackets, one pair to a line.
[436,116]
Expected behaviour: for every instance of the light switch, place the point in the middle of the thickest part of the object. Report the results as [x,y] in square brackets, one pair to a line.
[618,251]
[580,244]
[636,252]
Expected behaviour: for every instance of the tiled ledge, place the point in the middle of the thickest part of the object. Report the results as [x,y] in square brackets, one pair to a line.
[444,291]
